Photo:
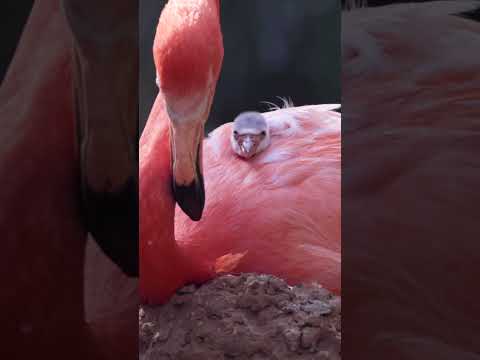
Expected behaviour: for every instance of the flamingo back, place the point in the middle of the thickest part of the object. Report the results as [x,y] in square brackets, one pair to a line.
[282,207]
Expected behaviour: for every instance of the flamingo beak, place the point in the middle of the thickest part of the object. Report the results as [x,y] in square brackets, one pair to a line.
[188,183]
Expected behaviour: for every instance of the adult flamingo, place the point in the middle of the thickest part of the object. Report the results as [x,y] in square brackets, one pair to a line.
[43,229]
[277,213]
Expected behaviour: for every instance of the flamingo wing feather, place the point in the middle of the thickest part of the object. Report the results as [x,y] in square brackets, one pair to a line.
[281,207]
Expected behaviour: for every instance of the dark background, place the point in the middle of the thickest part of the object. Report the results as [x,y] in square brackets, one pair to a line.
[272,48]
[13,16]
[241,21]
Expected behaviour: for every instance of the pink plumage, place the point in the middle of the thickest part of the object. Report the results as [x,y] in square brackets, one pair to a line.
[282,207]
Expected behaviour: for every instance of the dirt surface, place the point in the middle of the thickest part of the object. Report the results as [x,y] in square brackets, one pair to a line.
[243,317]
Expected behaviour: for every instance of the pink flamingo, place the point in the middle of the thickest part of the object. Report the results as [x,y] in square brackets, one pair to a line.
[276,213]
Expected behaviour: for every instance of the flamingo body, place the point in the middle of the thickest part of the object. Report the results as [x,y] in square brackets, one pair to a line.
[281,207]
[278,213]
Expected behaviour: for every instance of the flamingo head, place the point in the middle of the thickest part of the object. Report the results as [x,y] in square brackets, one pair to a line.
[250,134]
[188,53]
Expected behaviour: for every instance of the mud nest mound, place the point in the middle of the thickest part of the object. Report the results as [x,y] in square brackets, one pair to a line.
[243,317]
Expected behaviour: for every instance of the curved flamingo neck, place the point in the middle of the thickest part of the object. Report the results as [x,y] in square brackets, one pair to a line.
[161,270]
[157,175]
[164,264]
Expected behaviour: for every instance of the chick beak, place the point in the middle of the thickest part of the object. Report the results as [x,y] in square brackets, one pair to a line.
[248,147]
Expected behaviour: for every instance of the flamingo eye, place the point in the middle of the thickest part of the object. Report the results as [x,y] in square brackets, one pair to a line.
[263,133]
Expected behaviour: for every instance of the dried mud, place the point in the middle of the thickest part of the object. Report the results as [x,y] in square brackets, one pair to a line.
[244,316]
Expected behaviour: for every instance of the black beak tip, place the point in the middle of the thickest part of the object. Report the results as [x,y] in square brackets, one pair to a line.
[195,215]
[191,199]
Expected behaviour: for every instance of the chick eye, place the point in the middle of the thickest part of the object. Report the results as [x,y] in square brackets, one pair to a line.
[263,133]
[235,133]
